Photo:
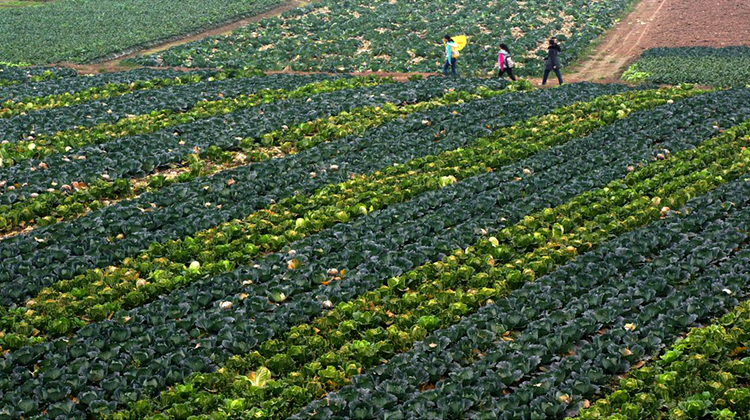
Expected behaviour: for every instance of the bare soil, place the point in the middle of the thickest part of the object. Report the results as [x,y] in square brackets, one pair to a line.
[705,23]
[665,23]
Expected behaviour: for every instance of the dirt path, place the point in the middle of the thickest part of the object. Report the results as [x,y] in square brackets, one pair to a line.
[115,64]
[665,23]
[620,46]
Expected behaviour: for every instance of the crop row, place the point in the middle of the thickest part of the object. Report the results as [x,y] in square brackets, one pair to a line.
[173,99]
[195,311]
[67,141]
[547,346]
[180,209]
[15,107]
[561,394]
[10,76]
[291,219]
[704,374]
[727,66]
[90,164]
[437,295]
[223,130]
[201,298]
[68,81]
[209,235]
[55,206]
[650,310]
[165,219]
[508,318]
[47,75]
[383,35]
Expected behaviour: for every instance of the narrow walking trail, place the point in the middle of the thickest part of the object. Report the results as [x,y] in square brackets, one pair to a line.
[620,46]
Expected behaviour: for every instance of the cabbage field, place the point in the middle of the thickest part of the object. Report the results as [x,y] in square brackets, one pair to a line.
[401,36]
[86,30]
[20,76]
[727,66]
[229,245]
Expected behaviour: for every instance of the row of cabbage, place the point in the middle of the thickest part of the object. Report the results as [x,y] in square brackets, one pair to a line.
[25,288]
[342,223]
[703,375]
[56,205]
[39,129]
[12,75]
[726,66]
[67,81]
[544,351]
[115,218]
[352,35]
[459,111]
[393,101]
[136,371]
[313,132]
[168,262]
[85,30]
[528,107]
[49,138]
[323,355]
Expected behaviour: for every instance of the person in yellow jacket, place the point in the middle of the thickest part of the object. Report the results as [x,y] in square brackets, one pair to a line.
[451,54]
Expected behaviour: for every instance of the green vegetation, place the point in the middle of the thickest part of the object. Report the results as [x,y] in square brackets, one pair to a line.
[723,67]
[11,75]
[227,244]
[352,35]
[704,375]
[85,30]
[19,3]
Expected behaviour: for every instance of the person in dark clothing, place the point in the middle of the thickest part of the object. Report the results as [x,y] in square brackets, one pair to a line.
[505,62]
[552,61]
[451,54]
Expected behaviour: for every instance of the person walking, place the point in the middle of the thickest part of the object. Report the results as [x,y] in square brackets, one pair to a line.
[552,61]
[451,54]
[505,63]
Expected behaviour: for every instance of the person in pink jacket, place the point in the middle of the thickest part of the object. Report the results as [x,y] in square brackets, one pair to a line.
[505,62]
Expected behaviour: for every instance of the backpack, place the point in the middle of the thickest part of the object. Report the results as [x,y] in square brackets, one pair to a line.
[454,51]
[509,63]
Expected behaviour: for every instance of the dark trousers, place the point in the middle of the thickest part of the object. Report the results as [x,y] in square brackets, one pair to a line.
[507,70]
[452,64]
[546,75]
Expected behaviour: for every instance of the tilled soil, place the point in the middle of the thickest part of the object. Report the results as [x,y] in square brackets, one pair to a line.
[705,23]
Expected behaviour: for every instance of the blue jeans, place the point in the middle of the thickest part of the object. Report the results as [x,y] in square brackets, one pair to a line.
[546,75]
[452,64]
